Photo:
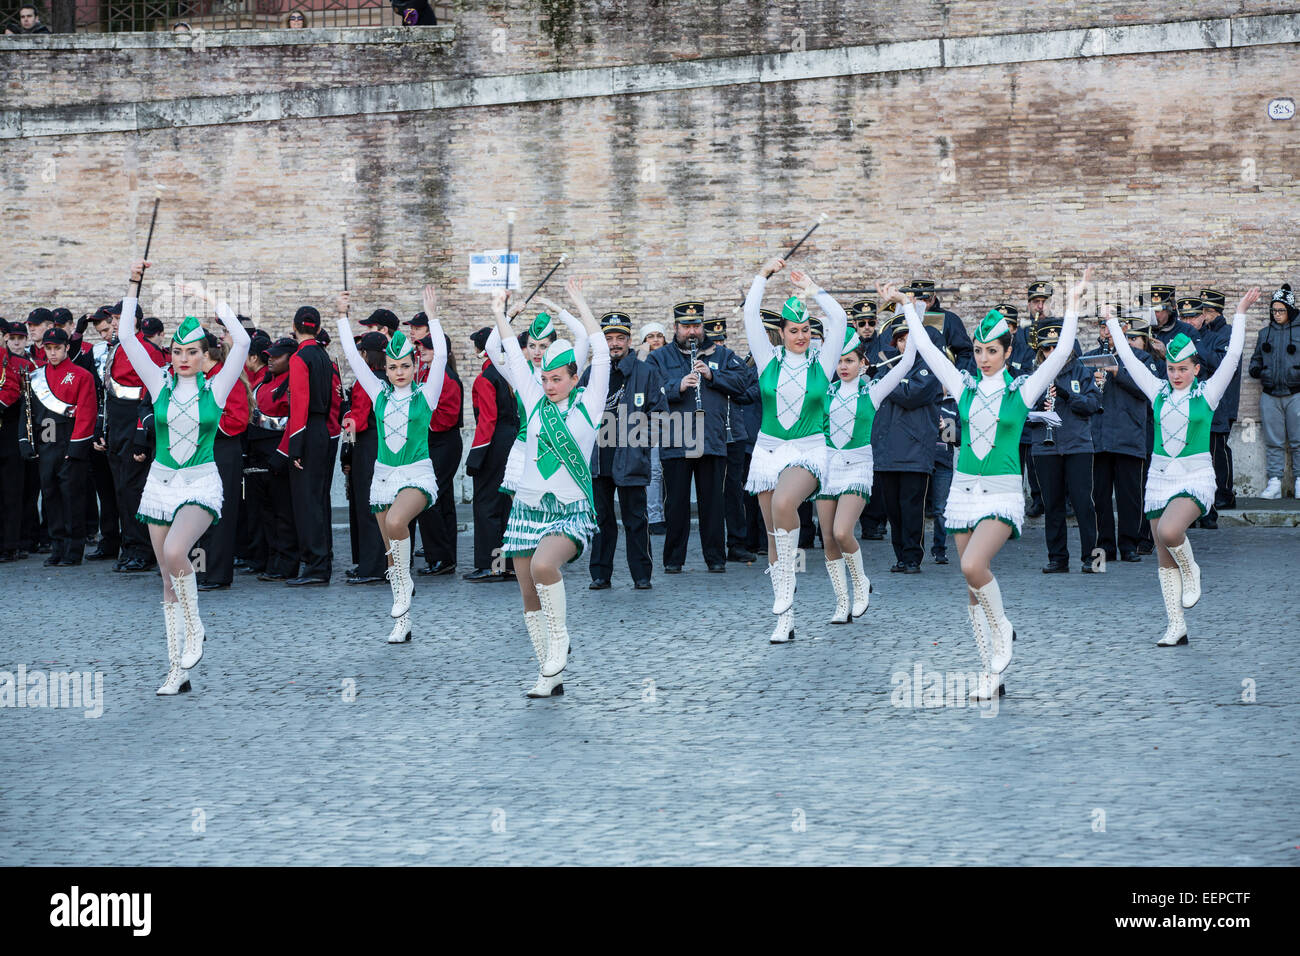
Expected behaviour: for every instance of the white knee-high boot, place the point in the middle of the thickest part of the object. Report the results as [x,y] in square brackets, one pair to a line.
[1171,588]
[178,679]
[1000,632]
[557,632]
[989,684]
[1190,571]
[861,583]
[535,621]
[399,576]
[840,584]
[783,571]
[187,595]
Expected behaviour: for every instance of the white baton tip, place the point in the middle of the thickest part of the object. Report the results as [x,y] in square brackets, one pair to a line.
[510,214]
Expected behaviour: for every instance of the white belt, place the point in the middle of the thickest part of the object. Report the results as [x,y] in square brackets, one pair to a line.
[129,393]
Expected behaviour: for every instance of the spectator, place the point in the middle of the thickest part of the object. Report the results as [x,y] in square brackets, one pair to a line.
[414,13]
[28,22]
[1276,363]
[651,338]
[181,27]
[297,20]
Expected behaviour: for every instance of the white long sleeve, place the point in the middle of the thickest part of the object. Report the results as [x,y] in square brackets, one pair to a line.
[365,377]
[837,320]
[1218,383]
[580,339]
[495,353]
[593,399]
[518,373]
[939,363]
[760,347]
[1046,373]
[150,374]
[1142,376]
[880,389]
[225,380]
[433,383]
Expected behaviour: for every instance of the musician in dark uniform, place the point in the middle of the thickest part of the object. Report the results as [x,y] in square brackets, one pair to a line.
[359,426]
[268,420]
[14,366]
[1212,347]
[496,426]
[438,524]
[64,409]
[717,375]
[1063,453]
[1119,451]
[946,442]
[306,445]
[620,462]
[1139,339]
[953,330]
[1165,323]
[1023,353]
[254,513]
[739,440]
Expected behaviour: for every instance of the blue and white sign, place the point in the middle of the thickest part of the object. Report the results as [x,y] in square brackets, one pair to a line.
[487,270]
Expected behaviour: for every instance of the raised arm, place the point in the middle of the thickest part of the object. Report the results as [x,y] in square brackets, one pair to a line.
[1141,375]
[1046,373]
[760,347]
[881,388]
[150,374]
[516,370]
[1218,382]
[837,320]
[437,371]
[593,398]
[233,367]
[939,363]
[580,338]
[367,379]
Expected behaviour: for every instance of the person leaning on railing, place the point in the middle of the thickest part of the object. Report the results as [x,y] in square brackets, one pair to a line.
[29,22]
[415,13]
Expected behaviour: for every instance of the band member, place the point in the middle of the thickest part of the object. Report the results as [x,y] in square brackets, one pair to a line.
[789,461]
[306,444]
[404,482]
[851,405]
[383,321]
[697,449]
[739,442]
[1180,486]
[14,367]
[438,524]
[651,338]
[182,496]
[553,515]
[953,330]
[254,506]
[1063,454]
[39,321]
[359,422]
[218,542]
[496,427]
[1277,366]
[621,460]
[1119,453]
[1215,335]
[986,504]
[1165,324]
[945,448]
[265,436]
[63,412]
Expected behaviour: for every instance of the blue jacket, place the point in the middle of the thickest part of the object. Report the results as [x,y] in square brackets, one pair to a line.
[1120,425]
[731,380]
[904,431]
[643,395]
[738,418]
[1077,400]
[1166,334]
[752,412]
[1276,359]
[1212,347]
[949,414]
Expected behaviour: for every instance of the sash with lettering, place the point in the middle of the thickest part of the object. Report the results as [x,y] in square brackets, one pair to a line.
[556,445]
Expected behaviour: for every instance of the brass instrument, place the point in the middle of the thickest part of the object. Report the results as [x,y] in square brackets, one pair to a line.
[28,452]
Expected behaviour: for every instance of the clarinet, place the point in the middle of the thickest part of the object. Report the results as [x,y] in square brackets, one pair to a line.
[699,399]
[1049,438]
[28,452]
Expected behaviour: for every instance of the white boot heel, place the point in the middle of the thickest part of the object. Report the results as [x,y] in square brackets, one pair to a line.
[840,585]
[1171,588]
[861,583]
[178,679]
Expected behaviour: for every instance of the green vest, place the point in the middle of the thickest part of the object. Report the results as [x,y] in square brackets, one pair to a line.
[209,418]
[1004,457]
[415,444]
[1199,417]
[862,419]
[812,415]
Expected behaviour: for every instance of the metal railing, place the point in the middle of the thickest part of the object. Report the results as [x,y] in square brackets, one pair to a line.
[111,16]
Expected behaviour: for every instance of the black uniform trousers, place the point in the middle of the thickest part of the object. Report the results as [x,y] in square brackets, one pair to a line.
[1062,477]
[13,473]
[34,532]
[255,516]
[282,535]
[372,561]
[873,515]
[218,542]
[1147,539]
[491,514]
[128,477]
[64,485]
[755,530]
[438,523]
[1117,478]
[903,496]
[329,507]
[734,491]
[632,507]
[710,473]
[101,475]
[310,488]
[1224,479]
[1031,472]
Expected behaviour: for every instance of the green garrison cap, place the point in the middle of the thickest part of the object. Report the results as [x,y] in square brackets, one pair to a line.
[188,332]
[1181,348]
[794,310]
[558,354]
[400,346]
[542,326]
[992,326]
[851,341]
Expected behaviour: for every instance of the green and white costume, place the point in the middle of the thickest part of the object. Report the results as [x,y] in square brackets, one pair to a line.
[186,414]
[850,412]
[986,482]
[793,390]
[401,417]
[1181,465]
[554,494]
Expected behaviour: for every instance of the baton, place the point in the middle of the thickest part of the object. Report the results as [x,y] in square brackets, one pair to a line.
[538,288]
[510,239]
[795,248]
[907,288]
[149,239]
[345,261]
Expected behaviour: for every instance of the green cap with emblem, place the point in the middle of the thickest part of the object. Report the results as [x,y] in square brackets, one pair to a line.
[992,326]
[794,310]
[188,332]
[399,347]
[558,354]
[851,341]
[1181,348]
[542,327]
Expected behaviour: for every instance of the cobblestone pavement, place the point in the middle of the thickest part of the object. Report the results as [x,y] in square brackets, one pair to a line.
[683,738]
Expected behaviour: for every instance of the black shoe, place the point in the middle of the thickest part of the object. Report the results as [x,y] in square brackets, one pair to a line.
[43,548]
[307,581]
[741,555]
[900,566]
[7,556]
[99,554]
[643,585]
[268,576]
[599,584]
[1087,568]
[214,587]
[672,569]
[241,565]
[941,559]
[136,564]
[873,536]
[1145,548]
[1057,567]
[1130,556]
[718,568]
[658,527]
[1209,523]
[358,579]
[911,568]
[52,561]
[439,567]
[483,576]
[251,569]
